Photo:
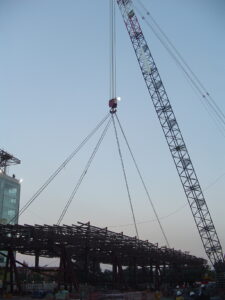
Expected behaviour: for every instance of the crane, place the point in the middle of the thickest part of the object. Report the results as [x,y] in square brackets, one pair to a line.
[174,138]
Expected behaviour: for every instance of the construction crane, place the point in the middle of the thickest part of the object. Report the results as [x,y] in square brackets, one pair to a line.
[174,139]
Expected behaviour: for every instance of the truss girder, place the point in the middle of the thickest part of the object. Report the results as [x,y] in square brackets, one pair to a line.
[103,245]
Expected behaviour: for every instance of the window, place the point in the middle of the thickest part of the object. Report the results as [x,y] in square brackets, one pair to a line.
[13,201]
[11,212]
[12,191]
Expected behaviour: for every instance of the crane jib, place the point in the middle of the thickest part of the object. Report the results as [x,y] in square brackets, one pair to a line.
[173,136]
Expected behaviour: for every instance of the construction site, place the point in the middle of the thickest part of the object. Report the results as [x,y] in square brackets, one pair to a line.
[102,248]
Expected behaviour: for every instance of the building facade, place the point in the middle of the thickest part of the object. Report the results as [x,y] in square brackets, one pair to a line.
[9,202]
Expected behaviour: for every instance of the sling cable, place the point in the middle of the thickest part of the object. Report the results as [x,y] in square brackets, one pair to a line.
[59,169]
[113,102]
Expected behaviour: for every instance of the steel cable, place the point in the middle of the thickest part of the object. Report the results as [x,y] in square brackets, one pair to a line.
[194,81]
[112,47]
[143,183]
[59,169]
[84,172]
[125,177]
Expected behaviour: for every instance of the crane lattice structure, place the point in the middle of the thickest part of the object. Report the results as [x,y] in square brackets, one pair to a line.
[173,136]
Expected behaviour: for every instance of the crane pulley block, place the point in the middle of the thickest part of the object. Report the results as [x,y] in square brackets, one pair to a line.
[113,104]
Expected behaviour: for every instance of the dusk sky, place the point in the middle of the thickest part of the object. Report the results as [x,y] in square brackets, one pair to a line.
[54,89]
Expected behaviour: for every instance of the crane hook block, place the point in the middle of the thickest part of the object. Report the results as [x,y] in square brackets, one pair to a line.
[113,105]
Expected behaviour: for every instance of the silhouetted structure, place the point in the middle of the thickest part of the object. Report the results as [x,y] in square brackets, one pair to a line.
[85,247]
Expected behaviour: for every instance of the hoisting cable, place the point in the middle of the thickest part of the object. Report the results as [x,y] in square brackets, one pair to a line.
[112,48]
[125,177]
[201,89]
[194,81]
[203,93]
[143,183]
[181,58]
[141,177]
[59,169]
[114,99]
[84,172]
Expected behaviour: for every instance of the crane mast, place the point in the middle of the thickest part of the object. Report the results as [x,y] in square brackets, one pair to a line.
[173,136]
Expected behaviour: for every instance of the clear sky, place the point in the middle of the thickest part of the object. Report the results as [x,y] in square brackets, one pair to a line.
[54,89]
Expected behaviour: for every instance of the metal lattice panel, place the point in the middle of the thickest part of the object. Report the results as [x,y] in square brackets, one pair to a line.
[7,159]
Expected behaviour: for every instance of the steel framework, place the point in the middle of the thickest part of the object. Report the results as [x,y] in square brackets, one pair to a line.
[91,246]
[7,159]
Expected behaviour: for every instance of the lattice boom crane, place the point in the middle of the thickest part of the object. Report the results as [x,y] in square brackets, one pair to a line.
[174,137]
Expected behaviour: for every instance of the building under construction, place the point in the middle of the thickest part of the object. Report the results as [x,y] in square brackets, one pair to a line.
[83,248]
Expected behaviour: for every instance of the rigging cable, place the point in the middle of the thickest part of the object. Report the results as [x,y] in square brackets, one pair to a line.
[218,117]
[173,212]
[215,181]
[182,60]
[152,220]
[84,172]
[112,47]
[59,169]
[143,183]
[125,177]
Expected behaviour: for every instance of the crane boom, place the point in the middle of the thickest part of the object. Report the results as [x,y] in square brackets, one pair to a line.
[173,136]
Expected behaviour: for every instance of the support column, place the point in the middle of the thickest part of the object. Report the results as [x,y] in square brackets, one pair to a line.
[151,275]
[134,273]
[122,280]
[5,281]
[37,260]
[115,273]
[157,276]
[12,269]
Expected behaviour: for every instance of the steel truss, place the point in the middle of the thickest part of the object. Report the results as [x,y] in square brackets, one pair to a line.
[91,246]
[7,159]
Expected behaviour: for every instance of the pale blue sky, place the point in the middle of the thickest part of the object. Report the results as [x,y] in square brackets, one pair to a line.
[54,88]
